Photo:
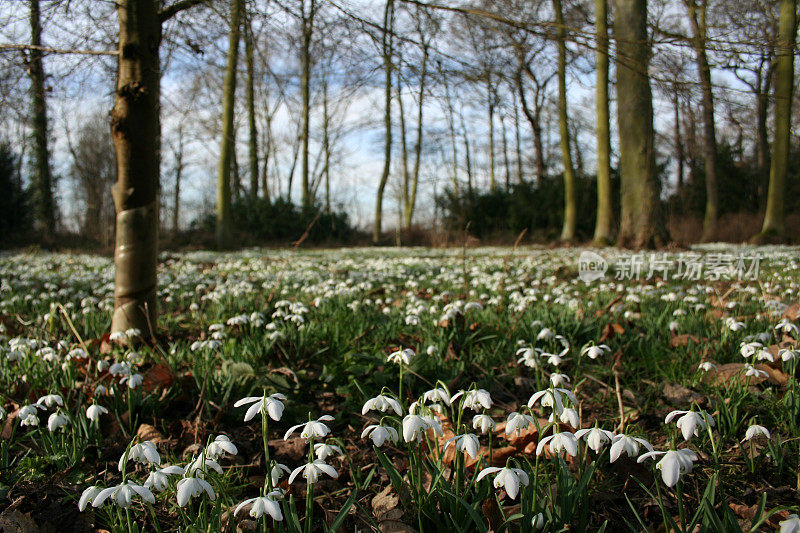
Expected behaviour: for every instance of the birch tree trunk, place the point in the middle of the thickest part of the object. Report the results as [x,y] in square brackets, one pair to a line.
[227,142]
[605,214]
[412,200]
[774,228]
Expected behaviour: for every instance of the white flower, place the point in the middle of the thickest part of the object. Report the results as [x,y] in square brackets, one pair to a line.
[557,379]
[593,352]
[751,371]
[788,355]
[733,324]
[627,444]
[122,495]
[415,427]
[552,398]
[50,400]
[673,465]
[437,395]
[755,430]
[263,505]
[790,525]
[382,403]
[312,471]
[468,443]
[191,487]
[538,521]
[596,438]
[314,429]
[508,478]
[220,446]
[516,422]
[56,420]
[706,366]
[277,473]
[322,450]
[546,334]
[691,423]
[401,356]
[94,411]
[787,327]
[380,434]
[88,495]
[201,465]
[432,350]
[564,440]
[482,422]
[272,405]
[568,416]
[144,452]
[475,399]
[133,380]
[748,349]
[530,357]
[159,479]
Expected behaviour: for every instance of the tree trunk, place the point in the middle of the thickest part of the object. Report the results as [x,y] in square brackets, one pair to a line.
[412,200]
[640,223]
[136,131]
[451,122]
[762,136]
[605,213]
[773,228]
[518,141]
[679,151]
[326,147]
[178,176]
[305,87]
[570,198]
[535,120]
[405,171]
[227,144]
[697,20]
[43,180]
[388,23]
[490,102]
[251,106]
[506,160]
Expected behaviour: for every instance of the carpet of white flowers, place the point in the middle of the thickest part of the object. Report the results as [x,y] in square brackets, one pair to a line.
[403,390]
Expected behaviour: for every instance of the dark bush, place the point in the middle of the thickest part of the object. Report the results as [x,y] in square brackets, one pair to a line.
[15,213]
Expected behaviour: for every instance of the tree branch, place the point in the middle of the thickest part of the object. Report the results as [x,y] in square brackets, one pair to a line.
[181,5]
[45,49]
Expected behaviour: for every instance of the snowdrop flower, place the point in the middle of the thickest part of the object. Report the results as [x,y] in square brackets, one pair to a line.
[277,473]
[553,359]
[754,431]
[790,525]
[88,496]
[673,465]
[552,398]
[530,357]
[468,443]
[788,355]
[538,521]
[312,471]
[483,422]
[475,399]
[415,427]
[432,351]
[437,395]
[787,327]
[201,465]
[593,352]
[563,441]
[2,412]
[50,400]
[133,380]
[263,505]
[380,434]
[749,349]
[596,438]
[516,422]
[159,479]
[94,411]
[401,356]
[691,423]
[568,416]
[271,405]
[220,446]
[627,444]
[382,403]
[323,450]
[751,371]
[557,379]
[734,325]
[192,487]
[673,325]
[314,429]
[122,495]
[57,420]
[144,452]
[546,334]
[706,366]
[508,478]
